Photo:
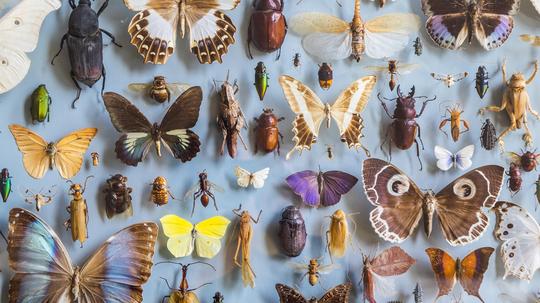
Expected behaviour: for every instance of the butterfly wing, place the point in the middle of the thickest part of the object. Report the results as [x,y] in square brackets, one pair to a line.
[243,176]
[70,151]
[387,35]
[459,204]
[289,295]
[397,198]
[444,268]
[43,270]
[309,112]
[33,148]
[445,159]
[392,262]
[338,294]
[179,232]
[175,127]
[495,23]
[208,236]
[447,23]
[119,268]
[136,130]
[347,108]
[473,267]
[259,177]
[19,34]
[464,157]
[520,234]
[334,185]
[306,185]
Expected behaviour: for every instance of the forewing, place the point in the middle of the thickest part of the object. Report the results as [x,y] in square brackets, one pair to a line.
[208,234]
[179,231]
[289,295]
[243,176]
[387,35]
[398,200]
[335,184]
[306,185]
[125,117]
[14,67]
[328,46]
[119,268]
[473,267]
[445,159]
[70,151]
[308,23]
[259,177]
[464,157]
[338,294]
[33,148]
[392,262]
[403,23]
[444,268]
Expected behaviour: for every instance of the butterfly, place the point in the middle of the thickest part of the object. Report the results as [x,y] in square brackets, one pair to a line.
[469,271]
[449,79]
[138,134]
[330,38]
[310,112]
[19,34]
[447,160]
[520,234]
[245,178]
[44,272]
[450,23]
[321,188]
[338,294]
[205,236]
[400,203]
[391,262]
[66,155]
[153,29]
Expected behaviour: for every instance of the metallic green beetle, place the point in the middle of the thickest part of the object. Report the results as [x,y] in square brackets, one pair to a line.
[5,184]
[261,80]
[41,104]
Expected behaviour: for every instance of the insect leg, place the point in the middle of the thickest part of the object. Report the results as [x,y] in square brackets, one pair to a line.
[72,4]
[224,133]
[103,7]
[466,125]
[64,38]
[211,195]
[420,136]
[249,41]
[113,39]
[278,54]
[238,242]
[442,124]
[242,140]
[79,89]
[104,74]
[418,153]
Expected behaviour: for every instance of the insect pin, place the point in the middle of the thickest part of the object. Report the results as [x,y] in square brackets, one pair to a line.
[455,122]
[326,75]
[203,189]
[183,294]
[261,80]
[5,184]
[40,198]
[482,81]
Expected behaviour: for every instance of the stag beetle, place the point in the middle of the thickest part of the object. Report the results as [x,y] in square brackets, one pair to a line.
[404,130]
[85,45]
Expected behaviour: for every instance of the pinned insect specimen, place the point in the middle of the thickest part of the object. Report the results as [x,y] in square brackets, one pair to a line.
[40,108]
[446,159]
[292,231]
[267,132]
[488,135]
[41,198]
[78,212]
[160,90]
[527,160]
[459,206]
[267,26]
[394,68]
[515,180]
[330,151]
[95,158]
[230,119]
[532,39]
[449,79]
[218,298]
[118,196]
[313,270]
[482,81]
[131,248]
[382,2]
[418,293]
[329,38]
[160,191]
[138,134]
[261,80]
[85,45]
[326,75]
[517,103]
[246,178]
[296,60]
[204,237]
[153,29]
[183,294]
[404,130]
[5,184]
[203,189]
[311,112]
[338,235]
[455,122]
[243,240]
[418,47]
[338,294]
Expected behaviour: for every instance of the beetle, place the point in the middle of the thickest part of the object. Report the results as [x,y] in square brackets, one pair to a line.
[85,45]
[218,297]
[267,131]
[404,129]
[418,47]
[455,122]
[261,80]
[6,185]
[326,75]
[488,135]
[527,160]
[482,81]
[296,60]
[40,107]
[183,294]
[40,198]
[160,191]
[267,26]
[514,181]
[292,231]
[117,196]
[95,158]
[78,212]
[203,189]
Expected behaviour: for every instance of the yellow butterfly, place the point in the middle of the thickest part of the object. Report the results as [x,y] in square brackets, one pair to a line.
[66,155]
[205,235]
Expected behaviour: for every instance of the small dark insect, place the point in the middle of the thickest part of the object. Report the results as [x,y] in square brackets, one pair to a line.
[330,151]
[218,297]
[515,180]
[482,81]
[183,294]
[118,196]
[296,60]
[203,189]
[488,135]
[326,75]
[418,47]
[95,158]
[5,184]
[418,293]
[527,160]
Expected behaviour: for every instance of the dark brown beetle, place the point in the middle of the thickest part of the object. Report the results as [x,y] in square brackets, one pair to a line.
[267,132]
[488,135]
[326,76]
[292,231]
[526,161]
[515,180]
[117,196]
[404,130]
[267,27]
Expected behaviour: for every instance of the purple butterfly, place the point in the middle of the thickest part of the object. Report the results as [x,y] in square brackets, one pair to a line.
[318,188]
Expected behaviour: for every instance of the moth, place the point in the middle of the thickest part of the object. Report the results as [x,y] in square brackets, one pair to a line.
[449,79]
[138,134]
[452,23]
[66,155]
[41,198]
[310,112]
[338,294]
[520,234]
[446,159]
[153,28]
[246,178]
[19,34]
[46,264]
[400,204]
[330,38]
[469,271]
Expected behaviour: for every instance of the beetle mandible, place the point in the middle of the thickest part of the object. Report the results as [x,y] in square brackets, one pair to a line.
[267,26]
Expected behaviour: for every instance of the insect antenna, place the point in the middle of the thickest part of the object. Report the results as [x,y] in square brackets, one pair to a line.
[85,181]
[202,285]
[382,98]
[167,281]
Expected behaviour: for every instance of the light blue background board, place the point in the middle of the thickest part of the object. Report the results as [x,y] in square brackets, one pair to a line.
[124,66]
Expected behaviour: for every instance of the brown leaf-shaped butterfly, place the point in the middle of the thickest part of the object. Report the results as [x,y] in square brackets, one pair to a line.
[400,203]
[338,294]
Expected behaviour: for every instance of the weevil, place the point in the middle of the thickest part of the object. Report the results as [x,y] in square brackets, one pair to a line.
[455,122]
[78,212]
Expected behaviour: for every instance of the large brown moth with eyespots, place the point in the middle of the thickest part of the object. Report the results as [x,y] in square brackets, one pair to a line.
[401,204]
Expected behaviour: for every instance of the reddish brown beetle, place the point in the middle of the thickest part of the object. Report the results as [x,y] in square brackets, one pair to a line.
[515,180]
[267,131]
[267,27]
[526,161]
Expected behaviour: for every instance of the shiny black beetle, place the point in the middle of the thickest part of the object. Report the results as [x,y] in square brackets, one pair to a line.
[85,45]
[482,81]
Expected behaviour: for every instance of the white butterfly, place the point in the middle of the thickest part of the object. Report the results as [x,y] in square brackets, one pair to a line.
[447,160]
[520,234]
[19,34]
[245,178]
